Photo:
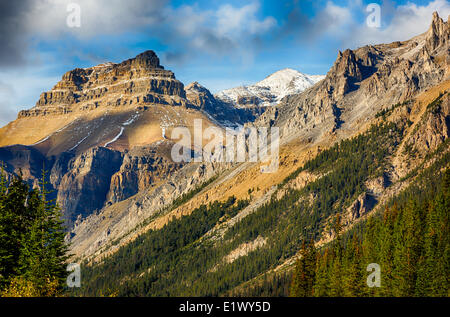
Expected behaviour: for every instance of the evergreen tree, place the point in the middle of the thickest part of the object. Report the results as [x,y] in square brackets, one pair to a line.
[14,221]
[353,278]
[305,270]
[433,276]
[32,248]
[336,276]
[322,282]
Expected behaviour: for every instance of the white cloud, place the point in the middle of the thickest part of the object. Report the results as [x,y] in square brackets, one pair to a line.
[233,21]
[48,17]
[334,18]
[407,21]
[226,31]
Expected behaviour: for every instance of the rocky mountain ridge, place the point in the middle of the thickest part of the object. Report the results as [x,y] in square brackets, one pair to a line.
[362,82]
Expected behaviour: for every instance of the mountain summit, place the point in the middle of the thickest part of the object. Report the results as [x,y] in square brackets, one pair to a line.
[270,90]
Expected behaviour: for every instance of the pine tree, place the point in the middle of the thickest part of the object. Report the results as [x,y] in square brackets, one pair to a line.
[322,281]
[353,278]
[305,270]
[44,250]
[336,276]
[14,221]
[434,266]
[32,247]
[407,250]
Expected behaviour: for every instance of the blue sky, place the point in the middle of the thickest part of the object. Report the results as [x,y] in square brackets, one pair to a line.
[220,44]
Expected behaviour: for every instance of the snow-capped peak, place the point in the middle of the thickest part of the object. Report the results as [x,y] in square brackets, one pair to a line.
[270,90]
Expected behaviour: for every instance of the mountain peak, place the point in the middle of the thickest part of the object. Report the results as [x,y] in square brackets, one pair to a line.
[195,86]
[270,90]
[147,59]
[138,80]
[438,33]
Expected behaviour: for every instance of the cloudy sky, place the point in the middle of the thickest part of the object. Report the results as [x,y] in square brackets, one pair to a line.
[220,44]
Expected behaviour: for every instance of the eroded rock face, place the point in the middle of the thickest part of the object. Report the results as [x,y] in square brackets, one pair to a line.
[25,160]
[362,205]
[438,34]
[85,183]
[139,80]
[141,168]
[84,188]
[434,129]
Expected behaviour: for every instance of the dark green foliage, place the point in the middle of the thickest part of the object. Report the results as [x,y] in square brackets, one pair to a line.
[410,242]
[275,285]
[305,272]
[170,258]
[31,237]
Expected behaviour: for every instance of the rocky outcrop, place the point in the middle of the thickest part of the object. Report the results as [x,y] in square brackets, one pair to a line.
[361,206]
[140,80]
[141,168]
[438,34]
[223,112]
[433,130]
[84,188]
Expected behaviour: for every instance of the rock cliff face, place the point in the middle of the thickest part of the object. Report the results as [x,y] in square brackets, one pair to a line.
[432,130]
[141,169]
[83,189]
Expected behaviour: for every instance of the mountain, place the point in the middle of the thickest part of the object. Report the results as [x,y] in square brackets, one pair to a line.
[270,90]
[222,111]
[371,134]
[103,133]
[362,82]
